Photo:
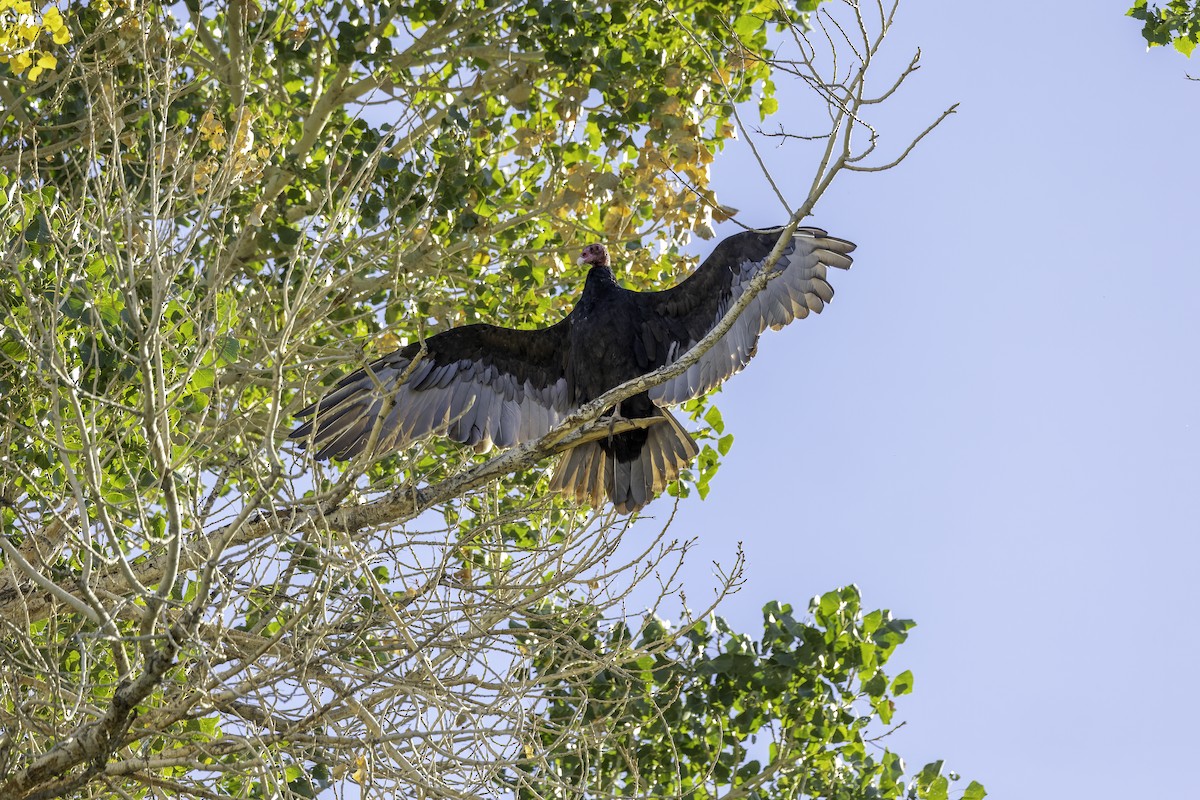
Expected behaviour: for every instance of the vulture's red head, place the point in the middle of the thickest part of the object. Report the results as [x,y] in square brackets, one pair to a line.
[594,255]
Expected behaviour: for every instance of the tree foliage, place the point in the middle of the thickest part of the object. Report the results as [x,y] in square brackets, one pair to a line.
[685,716]
[1176,23]
[209,210]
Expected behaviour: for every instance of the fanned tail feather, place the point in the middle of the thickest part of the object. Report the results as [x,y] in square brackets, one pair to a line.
[588,474]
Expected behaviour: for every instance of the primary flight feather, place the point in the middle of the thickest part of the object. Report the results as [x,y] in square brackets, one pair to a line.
[482,384]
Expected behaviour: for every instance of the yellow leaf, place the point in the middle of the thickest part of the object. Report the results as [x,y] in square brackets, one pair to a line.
[20,63]
[35,73]
[62,36]
[301,30]
[22,7]
[724,212]
[520,94]
[615,220]
[360,773]
[389,341]
[47,61]
[52,19]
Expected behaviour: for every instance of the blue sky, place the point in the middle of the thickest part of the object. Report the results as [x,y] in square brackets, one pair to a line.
[994,429]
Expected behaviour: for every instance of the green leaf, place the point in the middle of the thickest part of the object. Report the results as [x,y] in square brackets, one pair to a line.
[225,351]
[203,378]
[829,603]
[713,418]
[747,25]
[974,791]
[884,707]
[903,683]
[38,230]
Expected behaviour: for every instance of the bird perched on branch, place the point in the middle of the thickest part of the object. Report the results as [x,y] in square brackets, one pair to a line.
[482,384]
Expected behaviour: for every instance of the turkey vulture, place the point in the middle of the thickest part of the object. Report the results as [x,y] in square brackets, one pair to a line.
[483,385]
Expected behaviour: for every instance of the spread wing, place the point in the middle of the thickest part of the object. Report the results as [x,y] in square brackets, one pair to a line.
[478,384]
[677,318]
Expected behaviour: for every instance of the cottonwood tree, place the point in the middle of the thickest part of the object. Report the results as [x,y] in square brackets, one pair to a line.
[210,212]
